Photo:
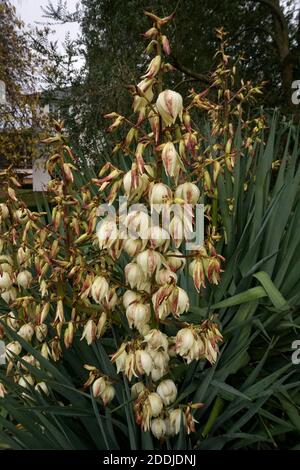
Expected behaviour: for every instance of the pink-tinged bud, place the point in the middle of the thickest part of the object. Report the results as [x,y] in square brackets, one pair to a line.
[179,301]
[160,194]
[184,341]
[165,276]
[108,395]
[13,349]
[134,275]
[186,117]
[171,160]
[167,391]
[153,68]
[100,288]
[213,270]
[151,33]
[175,260]
[143,362]
[197,271]
[158,428]
[89,332]
[5,281]
[130,297]
[107,233]
[149,261]
[169,105]
[138,315]
[155,404]
[189,192]
[26,332]
[166,45]
[137,389]
[24,279]
[99,386]
[115,124]
[139,157]
[67,169]
[154,124]
[134,184]
[176,230]
[158,237]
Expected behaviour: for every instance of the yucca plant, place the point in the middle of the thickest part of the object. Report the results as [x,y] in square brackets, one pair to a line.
[61,389]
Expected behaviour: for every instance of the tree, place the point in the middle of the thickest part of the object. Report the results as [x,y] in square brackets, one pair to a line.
[19,114]
[265,32]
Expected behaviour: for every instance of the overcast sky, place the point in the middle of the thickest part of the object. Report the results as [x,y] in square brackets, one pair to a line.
[31,13]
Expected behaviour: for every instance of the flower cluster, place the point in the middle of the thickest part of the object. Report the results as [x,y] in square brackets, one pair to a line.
[66,281]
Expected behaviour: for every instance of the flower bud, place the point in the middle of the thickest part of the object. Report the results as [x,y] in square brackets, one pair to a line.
[158,237]
[101,325]
[100,289]
[138,315]
[13,349]
[143,362]
[176,229]
[3,390]
[155,404]
[26,381]
[130,297]
[175,260]
[26,332]
[158,428]
[179,301]
[4,212]
[160,194]
[169,105]
[5,281]
[176,419]
[184,341]
[9,295]
[89,332]
[197,271]
[108,394]
[149,261]
[99,386]
[24,279]
[189,192]
[153,67]
[137,389]
[134,275]
[171,160]
[156,340]
[41,332]
[167,391]
[42,387]
[107,233]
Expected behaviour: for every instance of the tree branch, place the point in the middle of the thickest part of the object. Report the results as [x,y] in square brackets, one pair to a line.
[198,76]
